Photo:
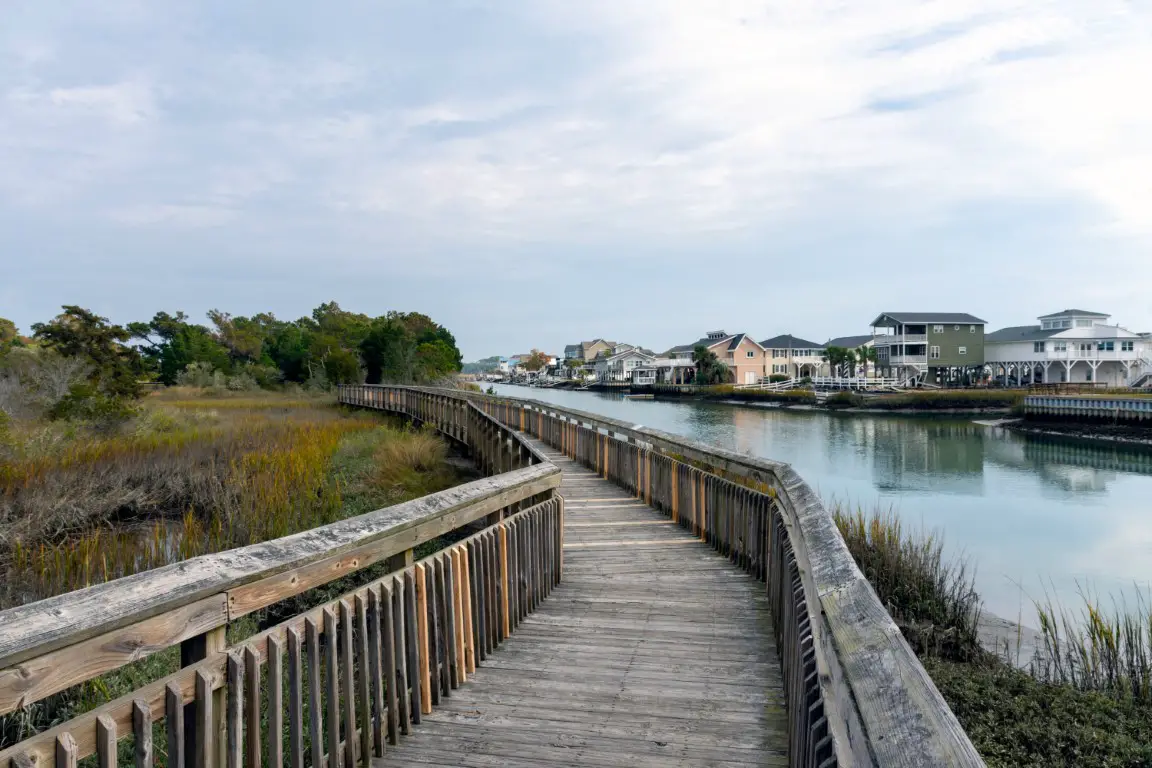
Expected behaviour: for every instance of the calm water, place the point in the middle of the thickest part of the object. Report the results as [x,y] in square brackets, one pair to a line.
[1030,513]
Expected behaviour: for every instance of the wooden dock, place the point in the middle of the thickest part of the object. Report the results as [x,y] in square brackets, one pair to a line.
[652,651]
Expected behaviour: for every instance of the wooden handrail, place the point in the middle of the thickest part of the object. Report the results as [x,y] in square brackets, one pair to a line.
[863,692]
[53,644]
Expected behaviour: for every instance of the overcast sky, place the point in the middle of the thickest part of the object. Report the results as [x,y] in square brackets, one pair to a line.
[536,173]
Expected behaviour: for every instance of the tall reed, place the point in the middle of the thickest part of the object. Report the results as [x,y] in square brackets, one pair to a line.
[1098,648]
[932,599]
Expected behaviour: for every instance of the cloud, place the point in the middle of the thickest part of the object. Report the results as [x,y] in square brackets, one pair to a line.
[539,137]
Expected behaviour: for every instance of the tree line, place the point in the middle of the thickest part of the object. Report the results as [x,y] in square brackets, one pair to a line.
[330,346]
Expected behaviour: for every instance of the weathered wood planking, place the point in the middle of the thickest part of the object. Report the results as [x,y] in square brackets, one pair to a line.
[603,673]
[34,630]
[873,702]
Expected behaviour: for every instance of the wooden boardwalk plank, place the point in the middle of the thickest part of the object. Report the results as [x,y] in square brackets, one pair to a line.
[652,651]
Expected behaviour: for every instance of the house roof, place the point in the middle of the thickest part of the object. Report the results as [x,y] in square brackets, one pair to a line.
[1019,333]
[634,352]
[788,341]
[704,342]
[1079,312]
[848,342]
[736,340]
[929,317]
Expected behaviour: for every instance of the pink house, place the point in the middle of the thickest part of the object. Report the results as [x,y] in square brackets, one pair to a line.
[743,355]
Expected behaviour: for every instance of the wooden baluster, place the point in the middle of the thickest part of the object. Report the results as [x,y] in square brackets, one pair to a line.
[106,741]
[295,701]
[173,725]
[275,703]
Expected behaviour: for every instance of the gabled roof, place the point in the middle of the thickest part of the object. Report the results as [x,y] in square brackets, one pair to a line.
[929,317]
[788,341]
[705,342]
[1078,312]
[1020,333]
[848,342]
[736,340]
[635,352]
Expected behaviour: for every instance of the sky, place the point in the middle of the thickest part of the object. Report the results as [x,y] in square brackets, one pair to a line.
[533,174]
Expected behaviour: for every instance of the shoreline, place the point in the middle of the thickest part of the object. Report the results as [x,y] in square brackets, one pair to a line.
[1102,436]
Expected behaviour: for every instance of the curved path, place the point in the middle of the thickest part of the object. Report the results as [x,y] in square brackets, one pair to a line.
[652,651]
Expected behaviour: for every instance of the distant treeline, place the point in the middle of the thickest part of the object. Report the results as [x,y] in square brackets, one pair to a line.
[331,346]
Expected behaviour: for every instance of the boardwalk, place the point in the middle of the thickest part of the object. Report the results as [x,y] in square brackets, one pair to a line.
[653,651]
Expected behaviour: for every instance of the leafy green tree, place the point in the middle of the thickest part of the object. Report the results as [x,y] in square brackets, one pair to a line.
[9,335]
[436,360]
[709,368]
[535,361]
[78,332]
[169,343]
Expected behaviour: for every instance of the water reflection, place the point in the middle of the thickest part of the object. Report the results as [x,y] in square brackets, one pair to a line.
[1032,512]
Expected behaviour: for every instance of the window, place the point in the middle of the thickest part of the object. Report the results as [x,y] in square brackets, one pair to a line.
[1106,346]
[937,329]
[1060,346]
[934,353]
[971,329]
[963,350]
[1037,346]
[1083,323]
[1126,346]
[751,353]
[956,327]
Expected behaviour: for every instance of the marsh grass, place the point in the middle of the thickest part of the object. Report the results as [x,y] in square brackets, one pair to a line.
[950,399]
[1098,647]
[183,480]
[253,468]
[932,599]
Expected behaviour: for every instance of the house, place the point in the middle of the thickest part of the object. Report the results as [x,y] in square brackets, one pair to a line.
[794,357]
[586,351]
[664,370]
[618,367]
[743,355]
[1073,345]
[936,347]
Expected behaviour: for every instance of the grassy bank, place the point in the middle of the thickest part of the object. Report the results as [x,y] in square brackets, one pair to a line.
[190,475]
[1085,701]
[947,399]
[729,392]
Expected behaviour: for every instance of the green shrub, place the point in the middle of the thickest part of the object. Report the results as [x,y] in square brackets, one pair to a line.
[778,377]
[931,399]
[86,402]
[844,400]
[1015,720]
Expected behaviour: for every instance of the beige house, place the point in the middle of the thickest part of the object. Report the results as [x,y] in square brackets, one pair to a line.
[794,357]
[742,354]
[586,351]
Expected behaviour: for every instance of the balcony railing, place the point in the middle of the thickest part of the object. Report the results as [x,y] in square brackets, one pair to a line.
[900,338]
[908,359]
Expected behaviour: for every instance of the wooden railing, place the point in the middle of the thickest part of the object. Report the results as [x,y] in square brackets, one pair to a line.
[332,685]
[856,693]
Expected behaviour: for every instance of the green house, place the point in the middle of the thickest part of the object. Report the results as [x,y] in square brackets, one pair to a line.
[942,348]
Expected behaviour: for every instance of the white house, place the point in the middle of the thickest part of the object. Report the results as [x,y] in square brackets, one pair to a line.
[618,367]
[664,370]
[1070,346]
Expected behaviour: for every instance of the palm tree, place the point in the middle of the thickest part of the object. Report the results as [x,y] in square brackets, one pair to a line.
[866,355]
[709,369]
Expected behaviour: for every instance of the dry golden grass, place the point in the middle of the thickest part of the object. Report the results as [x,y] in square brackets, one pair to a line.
[188,477]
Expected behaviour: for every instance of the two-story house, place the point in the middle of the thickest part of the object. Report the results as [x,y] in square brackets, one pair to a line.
[618,367]
[1073,345]
[942,348]
[794,357]
[743,355]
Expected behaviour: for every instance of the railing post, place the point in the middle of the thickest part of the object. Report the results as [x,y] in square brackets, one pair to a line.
[193,650]
[399,561]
